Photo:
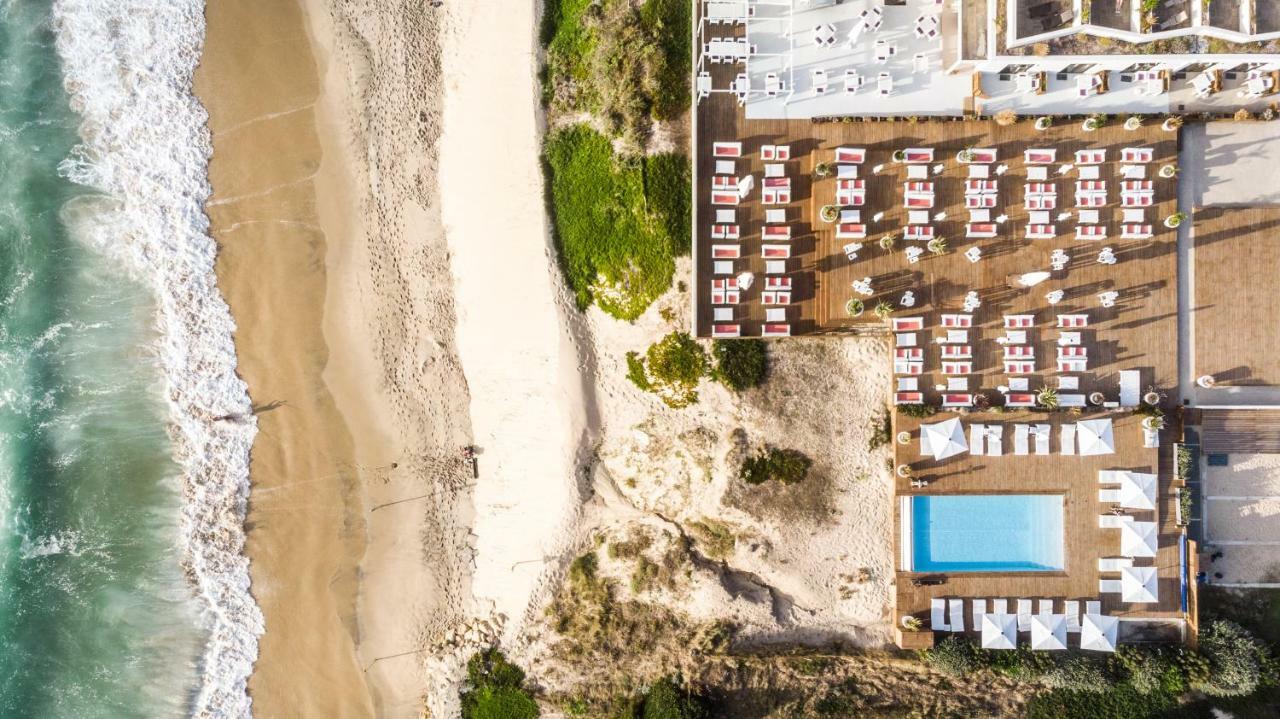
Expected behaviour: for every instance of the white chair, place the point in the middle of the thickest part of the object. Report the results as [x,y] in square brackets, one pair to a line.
[999,606]
[979,608]
[956,616]
[1020,434]
[995,440]
[1093,607]
[908,299]
[1044,607]
[937,615]
[1068,438]
[1042,438]
[913,254]
[1071,608]
[1109,586]
[977,432]
[1024,615]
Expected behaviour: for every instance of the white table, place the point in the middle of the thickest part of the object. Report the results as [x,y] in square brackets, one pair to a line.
[1134,215]
[1133,172]
[1089,217]
[1088,172]
[725,167]
[1037,174]
[735,11]
[1038,217]
[726,48]
[917,217]
[979,215]
[979,172]
[726,217]
[917,172]
[775,169]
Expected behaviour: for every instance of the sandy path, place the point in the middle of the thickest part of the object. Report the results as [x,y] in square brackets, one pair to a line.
[518,335]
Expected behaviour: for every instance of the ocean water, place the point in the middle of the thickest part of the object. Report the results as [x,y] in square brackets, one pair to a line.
[124,432]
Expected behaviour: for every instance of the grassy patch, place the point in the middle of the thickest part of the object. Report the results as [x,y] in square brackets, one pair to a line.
[496,689]
[1120,702]
[671,369]
[715,538]
[740,364]
[625,62]
[788,466]
[619,223]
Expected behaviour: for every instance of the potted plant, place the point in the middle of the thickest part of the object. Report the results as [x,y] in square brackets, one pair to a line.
[899,155]
[1091,123]
[1005,117]
[1206,381]
[965,155]
[829,213]
[912,623]
[937,246]
[887,242]
[1048,398]
[1043,123]
[883,309]
[904,438]
[1175,219]
[981,402]
[1154,422]
[822,169]
[1097,398]
[1152,397]
[1133,123]
[854,307]
[1167,171]
[1171,123]
[904,471]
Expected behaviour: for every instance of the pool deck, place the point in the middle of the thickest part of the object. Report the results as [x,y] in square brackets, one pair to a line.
[1073,477]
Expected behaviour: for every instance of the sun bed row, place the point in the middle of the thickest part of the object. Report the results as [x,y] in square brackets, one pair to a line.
[948,615]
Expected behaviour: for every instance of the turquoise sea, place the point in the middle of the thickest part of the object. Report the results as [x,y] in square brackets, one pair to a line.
[98,617]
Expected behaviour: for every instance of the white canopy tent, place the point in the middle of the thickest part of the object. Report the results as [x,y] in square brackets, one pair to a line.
[1138,539]
[999,631]
[1137,490]
[1138,585]
[942,440]
[1098,632]
[1094,437]
[1048,632]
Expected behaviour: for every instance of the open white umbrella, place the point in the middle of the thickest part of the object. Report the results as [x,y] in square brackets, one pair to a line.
[1137,490]
[1138,539]
[999,631]
[944,439]
[1048,632]
[1098,632]
[1094,437]
[1138,585]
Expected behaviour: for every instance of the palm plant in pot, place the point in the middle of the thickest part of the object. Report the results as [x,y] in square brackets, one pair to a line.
[1043,123]
[829,213]
[1091,123]
[1133,123]
[883,309]
[822,169]
[937,246]
[887,242]
[899,155]
[1171,123]
[854,307]
[1169,170]
[1175,219]
[1048,398]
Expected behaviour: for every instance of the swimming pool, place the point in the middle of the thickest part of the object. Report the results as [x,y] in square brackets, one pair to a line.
[982,533]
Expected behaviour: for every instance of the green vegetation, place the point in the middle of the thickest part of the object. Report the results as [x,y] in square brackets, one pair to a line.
[1183,462]
[624,62]
[787,466]
[619,223]
[496,689]
[740,364]
[671,369]
[715,538]
[954,655]
[881,430]
[1236,660]
[1078,673]
[919,411]
[666,700]
[1122,702]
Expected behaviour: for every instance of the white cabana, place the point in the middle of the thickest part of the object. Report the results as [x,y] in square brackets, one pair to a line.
[1138,539]
[1098,632]
[1138,585]
[999,631]
[942,440]
[1137,490]
[1094,437]
[1048,632]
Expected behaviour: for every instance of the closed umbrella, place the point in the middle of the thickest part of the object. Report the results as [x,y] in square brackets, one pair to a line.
[944,439]
[1098,632]
[1138,585]
[1094,437]
[999,631]
[1048,632]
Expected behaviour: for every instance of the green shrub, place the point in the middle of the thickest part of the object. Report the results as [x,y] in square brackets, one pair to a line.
[1151,669]
[1235,658]
[1020,663]
[1184,462]
[1079,674]
[740,364]
[636,373]
[919,411]
[671,368]
[787,466]
[666,700]
[881,430]
[715,538]
[495,689]
[954,655]
[582,570]
[619,224]
[1120,702]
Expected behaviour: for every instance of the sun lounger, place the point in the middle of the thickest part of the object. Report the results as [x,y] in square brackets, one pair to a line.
[1090,157]
[1109,496]
[995,440]
[963,321]
[980,229]
[937,615]
[1040,156]
[1114,564]
[1093,607]
[1019,352]
[999,606]
[1112,521]
[1024,615]
[983,201]
[725,198]
[956,617]
[957,368]
[776,329]
[977,435]
[905,339]
[1068,438]
[1109,586]
[1136,232]
[978,609]
[851,231]
[914,354]
[957,400]
[1019,399]
[1071,608]
[726,330]
[1044,607]
[1042,438]
[918,154]
[726,149]
[908,367]
[957,352]
[1073,364]
[906,324]
[908,398]
[1021,432]
[1072,321]
[1019,366]
[917,232]
[855,155]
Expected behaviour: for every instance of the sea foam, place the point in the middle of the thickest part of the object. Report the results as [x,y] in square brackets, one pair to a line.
[128,67]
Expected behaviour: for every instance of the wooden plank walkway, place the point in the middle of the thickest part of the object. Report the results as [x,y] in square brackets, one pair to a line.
[1240,431]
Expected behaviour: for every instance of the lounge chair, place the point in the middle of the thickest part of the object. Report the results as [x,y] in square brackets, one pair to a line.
[1093,607]
[1020,434]
[1109,586]
[979,608]
[957,614]
[995,436]
[1114,564]
[1042,438]
[937,615]
[1024,615]
[1112,521]
[1045,607]
[1071,608]
[976,434]
[1109,496]
[1068,438]
[999,606]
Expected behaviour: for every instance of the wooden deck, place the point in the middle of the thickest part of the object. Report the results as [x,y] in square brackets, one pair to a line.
[1237,260]
[1245,431]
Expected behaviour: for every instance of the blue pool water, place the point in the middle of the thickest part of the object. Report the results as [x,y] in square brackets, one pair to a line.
[987,533]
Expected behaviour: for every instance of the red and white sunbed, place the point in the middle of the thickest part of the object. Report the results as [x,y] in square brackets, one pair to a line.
[917,232]
[1019,322]
[1137,199]
[775,252]
[957,368]
[770,297]
[908,324]
[980,229]
[915,155]
[1040,156]
[1041,232]
[725,232]
[851,231]
[951,352]
[980,202]
[957,400]
[1091,232]
[1073,364]
[777,283]
[855,155]
[1090,157]
[726,252]
[908,367]
[908,398]
[977,187]
[776,329]
[1071,321]
[725,198]
[1019,367]
[957,321]
[1135,232]
[726,149]
[1020,399]
[776,232]
[1137,154]
[726,330]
